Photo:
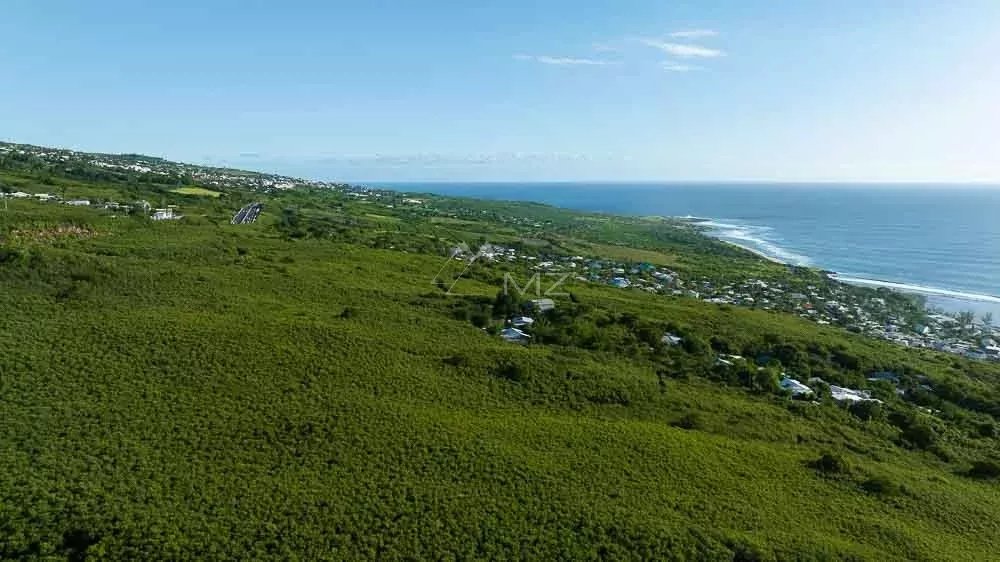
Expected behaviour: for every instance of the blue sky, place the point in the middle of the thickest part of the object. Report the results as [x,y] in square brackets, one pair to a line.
[545,90]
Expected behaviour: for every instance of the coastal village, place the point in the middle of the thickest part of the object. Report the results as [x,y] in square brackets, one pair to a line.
[832,303]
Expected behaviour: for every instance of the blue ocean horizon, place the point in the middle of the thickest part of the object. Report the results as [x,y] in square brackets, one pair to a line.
[938,240]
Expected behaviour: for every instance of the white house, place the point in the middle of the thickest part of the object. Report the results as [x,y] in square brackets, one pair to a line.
[850,395]
[78,203]
[521,321]
[164,215]
[20,195]
[795,387]
[543,305]
[514,335]
[671,339]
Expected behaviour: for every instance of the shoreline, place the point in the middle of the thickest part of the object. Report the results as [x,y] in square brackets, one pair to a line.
[954,295]
[949,299]
[754,251]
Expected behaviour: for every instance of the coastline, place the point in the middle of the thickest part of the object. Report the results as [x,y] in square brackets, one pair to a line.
[936,295]
[694,207]
[753,251]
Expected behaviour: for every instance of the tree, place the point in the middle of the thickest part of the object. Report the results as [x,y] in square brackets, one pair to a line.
[985,469]
[987,319]
[868,410]
[965,320]
[920,435]
[504,305]
[765,381]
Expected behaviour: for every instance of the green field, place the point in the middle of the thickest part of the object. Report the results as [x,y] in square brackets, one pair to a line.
[299,388]
[198,191]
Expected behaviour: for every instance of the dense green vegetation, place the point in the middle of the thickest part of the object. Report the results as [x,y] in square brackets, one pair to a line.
[300,388]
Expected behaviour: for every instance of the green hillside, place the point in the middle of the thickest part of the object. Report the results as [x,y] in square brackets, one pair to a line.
[306,387]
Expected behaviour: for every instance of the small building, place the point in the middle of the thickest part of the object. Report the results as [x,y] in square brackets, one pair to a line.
[79,203]
[164,215]
[842,394]
[543,305]
[521,321]
[514,335]
[621,282]
[887,376]
[795,387]
[671,339]
[20,195]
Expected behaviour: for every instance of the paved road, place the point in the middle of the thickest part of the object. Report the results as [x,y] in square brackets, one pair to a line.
[247,214]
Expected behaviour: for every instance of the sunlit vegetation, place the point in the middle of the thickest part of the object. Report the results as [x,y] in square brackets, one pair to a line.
[300,388]
[198,191]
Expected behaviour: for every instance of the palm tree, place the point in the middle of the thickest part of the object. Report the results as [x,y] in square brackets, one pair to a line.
[965,319]
[987,319]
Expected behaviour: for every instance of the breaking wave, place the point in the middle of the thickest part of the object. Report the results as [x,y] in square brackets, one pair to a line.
[755,238]
[920,289]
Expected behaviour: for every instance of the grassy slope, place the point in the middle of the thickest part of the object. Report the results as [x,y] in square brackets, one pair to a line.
[176,390]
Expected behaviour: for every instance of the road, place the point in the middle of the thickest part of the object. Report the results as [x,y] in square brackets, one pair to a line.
[247,214]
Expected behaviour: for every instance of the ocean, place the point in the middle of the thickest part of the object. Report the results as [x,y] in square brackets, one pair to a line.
[941,241]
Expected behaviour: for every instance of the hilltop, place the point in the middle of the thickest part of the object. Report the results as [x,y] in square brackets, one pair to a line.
[136,168]
[333,377]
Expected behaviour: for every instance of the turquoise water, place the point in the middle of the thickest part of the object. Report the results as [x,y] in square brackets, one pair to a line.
[942,241]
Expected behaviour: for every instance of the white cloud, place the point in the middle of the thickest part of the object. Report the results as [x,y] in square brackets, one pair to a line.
[564,61]
[607,47]
[694,34]
[682,50]
[677,67]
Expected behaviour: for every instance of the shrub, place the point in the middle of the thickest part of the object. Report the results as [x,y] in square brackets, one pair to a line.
[867,411]
[986,429]
[456,360]
[690,420]
[831,463]
[985,469]
[919,435]
[480,319]
[509,370]
[881,486]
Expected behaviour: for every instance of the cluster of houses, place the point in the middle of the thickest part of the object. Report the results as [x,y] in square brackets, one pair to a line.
[514,332]
[46,197]
[167,213]
[838,393]
[830,303]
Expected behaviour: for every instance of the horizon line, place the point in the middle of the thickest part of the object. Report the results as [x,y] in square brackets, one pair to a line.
[979,183]
[995,182]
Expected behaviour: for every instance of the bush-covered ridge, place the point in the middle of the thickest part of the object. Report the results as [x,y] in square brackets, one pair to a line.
[300,388]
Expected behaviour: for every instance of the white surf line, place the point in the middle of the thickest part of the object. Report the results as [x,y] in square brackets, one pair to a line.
[921,289]
[750,238]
